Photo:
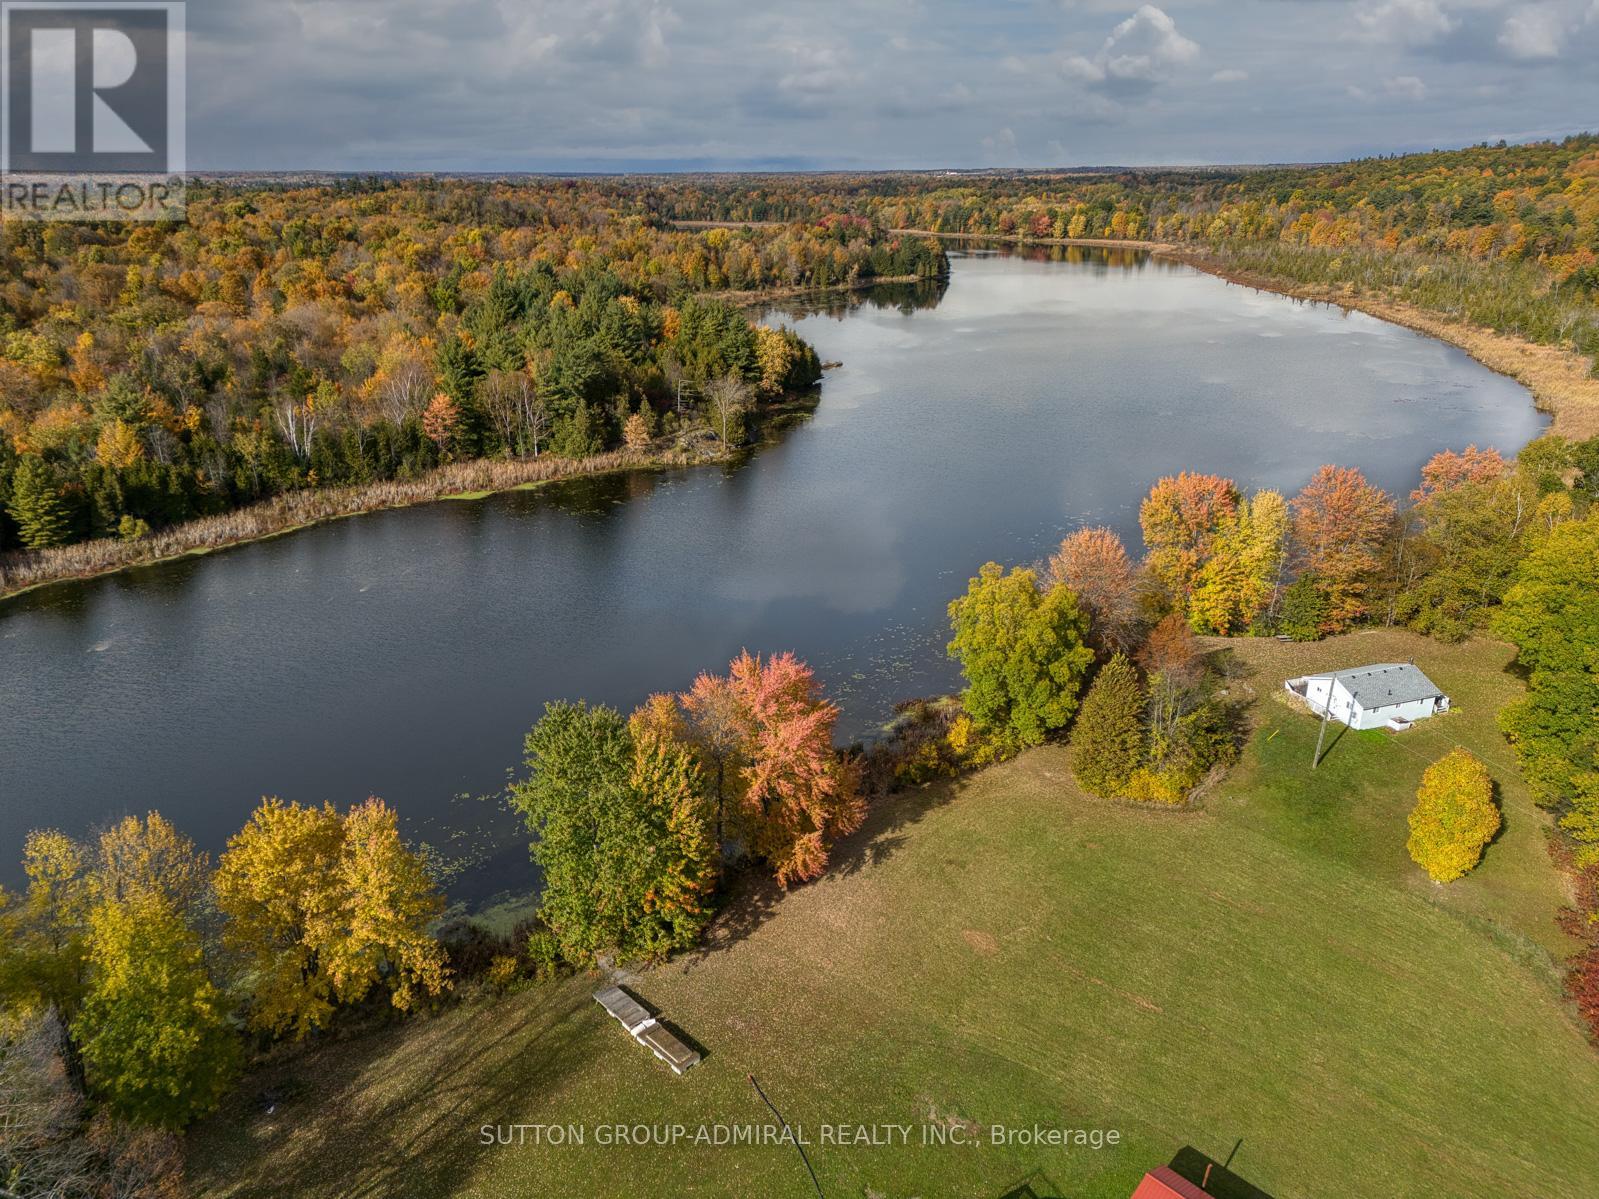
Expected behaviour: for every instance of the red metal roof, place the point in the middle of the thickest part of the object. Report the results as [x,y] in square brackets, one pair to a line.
[1166,1183]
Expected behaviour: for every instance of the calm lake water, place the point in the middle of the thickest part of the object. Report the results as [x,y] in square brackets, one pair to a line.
[405,653]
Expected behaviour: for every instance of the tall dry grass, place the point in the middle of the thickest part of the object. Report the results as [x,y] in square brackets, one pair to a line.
[30,568]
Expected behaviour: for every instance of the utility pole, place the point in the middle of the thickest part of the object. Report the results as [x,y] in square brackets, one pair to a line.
[1326,711]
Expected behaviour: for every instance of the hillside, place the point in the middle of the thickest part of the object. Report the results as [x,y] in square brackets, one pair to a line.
[1268,968]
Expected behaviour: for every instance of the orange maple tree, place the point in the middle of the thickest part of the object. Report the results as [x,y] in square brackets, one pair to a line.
[1339,523]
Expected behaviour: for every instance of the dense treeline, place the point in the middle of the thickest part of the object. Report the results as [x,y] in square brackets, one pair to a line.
[290,338]
[1506,236]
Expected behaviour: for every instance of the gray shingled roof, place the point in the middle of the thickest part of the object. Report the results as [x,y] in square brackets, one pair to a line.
[1385,684]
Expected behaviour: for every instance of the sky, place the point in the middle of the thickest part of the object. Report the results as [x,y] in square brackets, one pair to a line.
[630,85]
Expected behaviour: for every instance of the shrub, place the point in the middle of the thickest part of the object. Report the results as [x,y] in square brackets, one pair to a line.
[1148,785]
[544,951]
[1454,818]
[502,972]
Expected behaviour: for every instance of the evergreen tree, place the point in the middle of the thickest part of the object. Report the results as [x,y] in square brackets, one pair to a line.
[1304,610]
[577,435]
[41,514]
[1107,743]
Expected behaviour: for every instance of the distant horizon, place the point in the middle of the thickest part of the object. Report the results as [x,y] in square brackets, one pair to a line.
[679,167]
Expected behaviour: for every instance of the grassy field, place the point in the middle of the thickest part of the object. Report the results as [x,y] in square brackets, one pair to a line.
[1266,969]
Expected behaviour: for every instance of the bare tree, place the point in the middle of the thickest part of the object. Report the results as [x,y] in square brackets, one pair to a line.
[50,1146]
[405,388]
[727,402]
[535,411]
[42,1149]
[296,420]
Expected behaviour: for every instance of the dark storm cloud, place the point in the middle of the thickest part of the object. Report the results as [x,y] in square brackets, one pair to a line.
[653,84]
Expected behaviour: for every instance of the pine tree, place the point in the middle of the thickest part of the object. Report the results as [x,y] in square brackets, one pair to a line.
[577,435]
[42,516]
[1304,610]
[1107,743]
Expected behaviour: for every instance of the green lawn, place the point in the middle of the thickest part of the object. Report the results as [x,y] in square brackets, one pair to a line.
[1268,968]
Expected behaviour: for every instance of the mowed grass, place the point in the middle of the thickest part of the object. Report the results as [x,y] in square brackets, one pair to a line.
[1005,951]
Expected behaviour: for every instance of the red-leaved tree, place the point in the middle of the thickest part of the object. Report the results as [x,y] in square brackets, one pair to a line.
[1447,469]
[1094,564]
[799,795]
[1339,524]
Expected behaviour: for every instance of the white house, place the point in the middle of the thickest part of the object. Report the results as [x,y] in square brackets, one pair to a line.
[1369,697]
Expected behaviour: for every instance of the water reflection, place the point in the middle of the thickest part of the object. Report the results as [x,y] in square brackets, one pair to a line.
[405,653]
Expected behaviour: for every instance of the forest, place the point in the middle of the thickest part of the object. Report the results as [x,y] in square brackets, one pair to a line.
[1506,236]
[296,338]
[293,337]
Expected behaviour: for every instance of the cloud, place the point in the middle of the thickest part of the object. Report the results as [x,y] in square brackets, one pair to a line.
[1534,32]
[1405,87]
[815,77]
[1136,57]
[719,84]
[1403,22]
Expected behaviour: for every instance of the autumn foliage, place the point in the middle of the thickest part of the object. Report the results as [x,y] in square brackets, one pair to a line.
[325,907]
[1182,517]
[1454,818]
[1095,565]
[1339,524]
[1449,468]
[798,796]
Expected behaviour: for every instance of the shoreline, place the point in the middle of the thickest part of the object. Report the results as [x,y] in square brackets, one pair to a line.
[297,510]
[1559,379]
[293,511]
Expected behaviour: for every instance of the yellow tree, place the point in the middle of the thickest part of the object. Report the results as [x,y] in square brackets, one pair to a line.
[323,908]
[148,855]
[51,921]
[153,1031]
[1238,580]
[378,931]
[1454,818]
[1181,517]
[277,880]
[118,445]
